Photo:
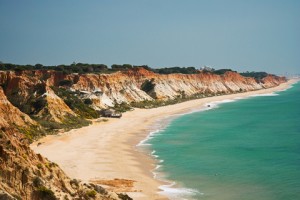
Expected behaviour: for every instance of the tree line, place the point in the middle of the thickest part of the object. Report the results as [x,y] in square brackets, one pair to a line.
[83,68]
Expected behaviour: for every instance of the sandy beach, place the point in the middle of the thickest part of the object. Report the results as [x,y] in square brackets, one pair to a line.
[107,150]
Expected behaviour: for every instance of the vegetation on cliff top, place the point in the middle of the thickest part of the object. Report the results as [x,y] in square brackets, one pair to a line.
[257,75]
[83,68]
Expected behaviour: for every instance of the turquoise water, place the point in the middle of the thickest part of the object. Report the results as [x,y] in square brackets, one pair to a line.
[246,149]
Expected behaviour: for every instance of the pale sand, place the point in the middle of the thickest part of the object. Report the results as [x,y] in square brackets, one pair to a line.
[107,150]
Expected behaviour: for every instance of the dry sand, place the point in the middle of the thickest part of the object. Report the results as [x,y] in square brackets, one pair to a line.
[107,150]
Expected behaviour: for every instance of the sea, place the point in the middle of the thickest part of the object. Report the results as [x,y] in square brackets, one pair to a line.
[242,149]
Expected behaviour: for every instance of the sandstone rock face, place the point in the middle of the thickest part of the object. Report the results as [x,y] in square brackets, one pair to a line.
[12,116]
[28,89]
[105,90]
[26,175]
[57,109]
[127,86]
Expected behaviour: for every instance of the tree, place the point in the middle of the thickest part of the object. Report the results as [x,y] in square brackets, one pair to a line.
[127,66]
[117,67]
[38,66]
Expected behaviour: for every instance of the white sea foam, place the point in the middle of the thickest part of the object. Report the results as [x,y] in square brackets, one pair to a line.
[178,193]
[157,167]
[265,95]
[226,101]
[239,98]
[153,154]
[154,175]
[215,104]
[149,136]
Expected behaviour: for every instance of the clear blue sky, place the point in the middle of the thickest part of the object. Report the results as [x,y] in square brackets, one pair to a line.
[261,35]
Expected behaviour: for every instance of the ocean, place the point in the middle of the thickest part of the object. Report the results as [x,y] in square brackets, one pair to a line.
[243,149]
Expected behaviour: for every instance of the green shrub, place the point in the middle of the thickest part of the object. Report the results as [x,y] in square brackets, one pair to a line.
[75,182]
[122,107]
[39,104]
[124,196]
[49,124]
[37,182]
[157,103]
[172,70]
[258,76]
[65,83]
[76,104]
[148,85]
[40,166]
[88,101]
[222,71]
[91,193]
[31,133]
[68,123]
[44,193]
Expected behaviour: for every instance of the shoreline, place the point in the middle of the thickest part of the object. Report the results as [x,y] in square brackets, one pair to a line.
[109,150]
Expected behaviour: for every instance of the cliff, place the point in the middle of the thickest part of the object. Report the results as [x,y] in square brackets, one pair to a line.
[26,175]
[32,103]
[141,85]
[18,119]
[52,97]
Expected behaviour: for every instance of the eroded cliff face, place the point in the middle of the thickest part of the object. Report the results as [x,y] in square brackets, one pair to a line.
[18,119]
[26,175]
[106,90]
[31,91]
[56,109]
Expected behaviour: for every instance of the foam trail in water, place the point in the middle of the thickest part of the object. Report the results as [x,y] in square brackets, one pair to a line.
[215,104]
[239,98]
[153,154]
[178,193]
[149,136]
[264,95]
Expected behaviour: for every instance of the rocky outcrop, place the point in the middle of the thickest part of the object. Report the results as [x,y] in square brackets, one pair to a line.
[56,108]
[17,119]
[31,92]
[26,175]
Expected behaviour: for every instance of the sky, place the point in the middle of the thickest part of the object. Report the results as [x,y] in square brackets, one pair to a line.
[256,35]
